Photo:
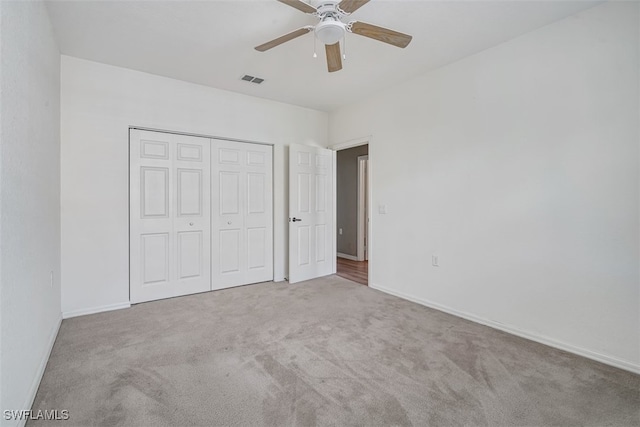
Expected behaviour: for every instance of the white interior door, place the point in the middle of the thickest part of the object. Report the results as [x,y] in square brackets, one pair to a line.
[169,215]
[311,214]
[242,213]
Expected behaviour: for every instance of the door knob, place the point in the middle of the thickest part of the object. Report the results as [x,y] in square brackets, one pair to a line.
[296,219]
[228,222]
[191,224]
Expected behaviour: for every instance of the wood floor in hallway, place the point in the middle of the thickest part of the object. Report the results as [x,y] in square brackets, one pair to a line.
[358,271]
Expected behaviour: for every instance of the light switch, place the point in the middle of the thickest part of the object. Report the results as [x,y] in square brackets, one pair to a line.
[340,231]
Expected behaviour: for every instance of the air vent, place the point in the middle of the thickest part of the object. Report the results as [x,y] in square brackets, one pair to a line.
[248,78]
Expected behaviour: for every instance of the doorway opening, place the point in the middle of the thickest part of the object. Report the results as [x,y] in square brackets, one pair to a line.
[352,216]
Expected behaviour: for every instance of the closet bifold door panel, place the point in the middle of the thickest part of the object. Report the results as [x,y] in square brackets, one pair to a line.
[169,215]
[241,213]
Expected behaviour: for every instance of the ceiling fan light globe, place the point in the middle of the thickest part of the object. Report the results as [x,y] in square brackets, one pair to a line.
[330,32]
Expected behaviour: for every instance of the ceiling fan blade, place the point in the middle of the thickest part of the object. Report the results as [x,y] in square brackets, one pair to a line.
[300,5]
[379,33]
[282,39]
[350,6]
[334,59]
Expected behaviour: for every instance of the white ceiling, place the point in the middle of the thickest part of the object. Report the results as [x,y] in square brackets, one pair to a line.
[211,42]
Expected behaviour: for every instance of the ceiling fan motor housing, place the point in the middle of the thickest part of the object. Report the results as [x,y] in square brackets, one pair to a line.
[330,30]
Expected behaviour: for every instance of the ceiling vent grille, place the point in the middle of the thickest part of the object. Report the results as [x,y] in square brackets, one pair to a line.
[252,79]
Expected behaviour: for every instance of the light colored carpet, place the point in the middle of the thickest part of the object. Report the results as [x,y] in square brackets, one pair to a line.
[323,352]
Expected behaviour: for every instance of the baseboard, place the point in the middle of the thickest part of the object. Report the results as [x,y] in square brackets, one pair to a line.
[598,357]
[93,310]
[346,256]
[35,384]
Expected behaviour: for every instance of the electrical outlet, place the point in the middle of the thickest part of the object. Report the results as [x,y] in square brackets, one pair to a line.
[434,261]
[382,209]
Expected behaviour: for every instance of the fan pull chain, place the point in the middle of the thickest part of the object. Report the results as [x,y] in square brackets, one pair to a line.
[315,55]
[344,47]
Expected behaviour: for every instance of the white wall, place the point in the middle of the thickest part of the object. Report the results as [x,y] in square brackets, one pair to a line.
[99,103]
[518,167]
[29,199]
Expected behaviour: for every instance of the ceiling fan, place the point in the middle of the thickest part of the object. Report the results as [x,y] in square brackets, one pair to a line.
[330,30]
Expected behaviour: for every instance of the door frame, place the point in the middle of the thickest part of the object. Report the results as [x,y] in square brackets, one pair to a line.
[365,140]
[363,211]
[224,138]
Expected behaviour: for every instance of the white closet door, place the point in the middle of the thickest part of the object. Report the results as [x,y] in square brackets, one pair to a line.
[242,213]
[311,226]
[169,190]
